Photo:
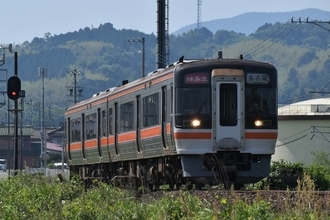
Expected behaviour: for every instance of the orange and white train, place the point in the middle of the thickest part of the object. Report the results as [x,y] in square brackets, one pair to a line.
[196,121]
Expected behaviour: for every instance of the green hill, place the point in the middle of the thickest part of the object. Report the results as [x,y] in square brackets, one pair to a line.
[104,57]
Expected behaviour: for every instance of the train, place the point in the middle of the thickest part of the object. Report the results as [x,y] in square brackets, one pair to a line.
[196,121]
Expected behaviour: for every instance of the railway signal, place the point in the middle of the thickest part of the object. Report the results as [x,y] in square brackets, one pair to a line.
[13,87]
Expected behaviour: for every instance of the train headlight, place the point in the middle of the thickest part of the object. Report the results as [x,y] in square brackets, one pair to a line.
[195,122]
[263,123]
[258,123]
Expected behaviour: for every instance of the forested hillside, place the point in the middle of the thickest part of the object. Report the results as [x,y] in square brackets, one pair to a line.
[104,57]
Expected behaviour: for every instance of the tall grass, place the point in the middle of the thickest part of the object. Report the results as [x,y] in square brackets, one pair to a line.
[37,197]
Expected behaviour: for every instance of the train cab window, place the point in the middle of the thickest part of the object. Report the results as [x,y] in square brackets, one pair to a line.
[126,117]
[90,126]
[193,103]
[260,100]
[151,110]
[110,121]
[261,104]
[75,130]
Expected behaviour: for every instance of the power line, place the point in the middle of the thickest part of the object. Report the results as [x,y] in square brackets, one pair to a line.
[262,42]
[278,39]
[259,48]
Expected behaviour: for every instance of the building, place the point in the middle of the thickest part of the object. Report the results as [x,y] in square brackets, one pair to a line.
[28,145]
[303,127]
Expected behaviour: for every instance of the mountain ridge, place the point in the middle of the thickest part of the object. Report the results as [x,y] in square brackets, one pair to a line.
[253,18]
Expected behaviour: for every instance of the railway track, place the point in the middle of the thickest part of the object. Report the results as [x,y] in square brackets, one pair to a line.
[279,199]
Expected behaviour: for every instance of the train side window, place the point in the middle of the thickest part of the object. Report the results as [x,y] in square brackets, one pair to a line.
[126,116]
[90,126]
[110,121]
[151,110]
[75,130]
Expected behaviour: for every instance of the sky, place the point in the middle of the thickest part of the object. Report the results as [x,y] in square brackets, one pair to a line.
[23,20]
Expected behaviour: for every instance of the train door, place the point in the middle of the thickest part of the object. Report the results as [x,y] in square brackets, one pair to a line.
[99,127]
[228,113]
[83,138]
[116,128]
[68,131]
[164,120]
[138,126]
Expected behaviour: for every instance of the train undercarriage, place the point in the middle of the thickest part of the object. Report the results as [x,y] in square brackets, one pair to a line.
[215,170]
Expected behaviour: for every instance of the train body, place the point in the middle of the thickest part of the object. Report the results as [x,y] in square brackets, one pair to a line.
[199,121]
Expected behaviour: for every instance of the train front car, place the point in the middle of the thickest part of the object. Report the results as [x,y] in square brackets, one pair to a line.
[225,120]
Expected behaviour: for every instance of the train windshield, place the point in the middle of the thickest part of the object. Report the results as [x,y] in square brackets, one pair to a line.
[260,101]
[193,103]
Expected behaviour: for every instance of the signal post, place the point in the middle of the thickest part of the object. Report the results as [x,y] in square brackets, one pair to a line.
[14,92]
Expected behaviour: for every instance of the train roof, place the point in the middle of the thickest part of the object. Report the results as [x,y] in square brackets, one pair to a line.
[117,89]
[193,63]
[228,63]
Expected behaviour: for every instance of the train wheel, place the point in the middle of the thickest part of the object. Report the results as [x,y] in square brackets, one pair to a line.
[238,186]
[169,179]
[189,185]
[227,185]
[199,186]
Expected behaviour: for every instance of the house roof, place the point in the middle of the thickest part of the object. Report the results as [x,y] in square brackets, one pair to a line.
[54,147]
[26,131]
[320,106]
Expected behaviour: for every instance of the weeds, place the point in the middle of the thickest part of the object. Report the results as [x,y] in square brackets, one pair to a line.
[36,197]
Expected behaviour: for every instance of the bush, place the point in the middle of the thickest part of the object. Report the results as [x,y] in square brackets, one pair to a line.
[284,175]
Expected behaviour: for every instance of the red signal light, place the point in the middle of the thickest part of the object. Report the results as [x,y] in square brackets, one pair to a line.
[13,87]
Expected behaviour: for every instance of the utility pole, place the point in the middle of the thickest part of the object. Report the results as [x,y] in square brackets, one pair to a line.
[73,90]
[42,72]
[199,14]
[142,40]
[162,33]
[307,21]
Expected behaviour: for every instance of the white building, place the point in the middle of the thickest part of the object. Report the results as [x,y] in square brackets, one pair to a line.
[303,127]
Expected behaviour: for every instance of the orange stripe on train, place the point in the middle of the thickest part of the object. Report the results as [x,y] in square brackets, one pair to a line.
[130,136]
[75,146]
[91,143]
[181,135]
[151,132]
[248,135]
[111,139]
[260,135]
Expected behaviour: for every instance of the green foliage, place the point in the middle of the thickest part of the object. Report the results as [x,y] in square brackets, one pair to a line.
[286,175]
[105,58]
[257,210]
[37,197]
[27,196]
[283,175]
[319,170]
[103,52]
